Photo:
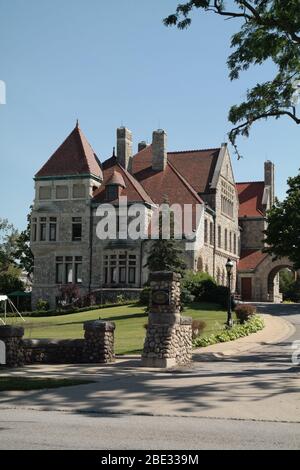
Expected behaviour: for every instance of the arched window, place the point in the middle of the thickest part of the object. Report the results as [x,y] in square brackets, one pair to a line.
[205,231]
[218,276]
[219,237]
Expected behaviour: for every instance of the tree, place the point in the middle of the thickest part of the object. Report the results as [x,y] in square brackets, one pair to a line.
[269,30]
[8,237]
[22,251]
[166,254]
[283,230]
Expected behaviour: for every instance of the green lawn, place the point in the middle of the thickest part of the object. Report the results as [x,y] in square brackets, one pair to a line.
[36,383]
[129,319]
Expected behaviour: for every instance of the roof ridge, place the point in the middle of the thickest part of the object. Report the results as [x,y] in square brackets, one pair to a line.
[137,185]
[249,182]
[195,150]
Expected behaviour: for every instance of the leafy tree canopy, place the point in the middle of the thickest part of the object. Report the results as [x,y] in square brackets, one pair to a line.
[283,231]
[268,30]
[22,251]
[8,237]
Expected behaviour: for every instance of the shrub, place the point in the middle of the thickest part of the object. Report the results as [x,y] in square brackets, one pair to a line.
[198,327]
[244,312]
[218,295]
[10,283]
[198,284]
[42,305]
[145,296]
[255,324]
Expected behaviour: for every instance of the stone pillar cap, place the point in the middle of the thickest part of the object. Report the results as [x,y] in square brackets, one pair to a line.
[9,331]
[99,325]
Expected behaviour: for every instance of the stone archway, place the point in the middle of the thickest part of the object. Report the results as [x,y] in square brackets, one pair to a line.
[274,293]
[266,279]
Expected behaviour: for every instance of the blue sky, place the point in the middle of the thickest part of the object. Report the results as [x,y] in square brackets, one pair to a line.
[112,63]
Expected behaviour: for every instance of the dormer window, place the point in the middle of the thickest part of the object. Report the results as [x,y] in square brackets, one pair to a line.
[112,192]
[114,186]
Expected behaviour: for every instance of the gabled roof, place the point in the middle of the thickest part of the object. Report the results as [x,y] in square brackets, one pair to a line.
[250,259]
[250,198]
[75,156]
[132,190]
[196,166]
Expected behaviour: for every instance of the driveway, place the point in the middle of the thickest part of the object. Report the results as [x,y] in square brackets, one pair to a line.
[253,398]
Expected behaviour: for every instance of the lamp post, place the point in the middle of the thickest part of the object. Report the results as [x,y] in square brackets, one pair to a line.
[229,268]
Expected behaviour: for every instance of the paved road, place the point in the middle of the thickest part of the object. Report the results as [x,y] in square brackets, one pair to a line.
[53,430]
[247,401]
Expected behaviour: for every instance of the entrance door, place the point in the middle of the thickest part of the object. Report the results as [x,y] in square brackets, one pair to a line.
[247,288]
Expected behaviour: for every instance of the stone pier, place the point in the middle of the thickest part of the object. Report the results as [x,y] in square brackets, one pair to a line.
[169,335]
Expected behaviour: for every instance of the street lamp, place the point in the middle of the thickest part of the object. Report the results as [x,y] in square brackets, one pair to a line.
[229,268]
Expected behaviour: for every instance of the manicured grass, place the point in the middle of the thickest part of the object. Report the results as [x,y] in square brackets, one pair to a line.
[129,319]
[36,383]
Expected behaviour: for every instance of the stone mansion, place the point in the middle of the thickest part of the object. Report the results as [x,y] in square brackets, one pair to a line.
[73,183]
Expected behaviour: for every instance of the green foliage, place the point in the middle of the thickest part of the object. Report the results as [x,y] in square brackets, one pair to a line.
[145,296]
[165,255]
[42,305]
[293,293]
[8,237]
[202,287]
[286,280]
[269,31]
[9,283]
[22,251]
[244,312]
[255,324]
[198,284]
[282,235]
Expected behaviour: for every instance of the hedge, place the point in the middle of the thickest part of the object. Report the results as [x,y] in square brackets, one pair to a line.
[255,324]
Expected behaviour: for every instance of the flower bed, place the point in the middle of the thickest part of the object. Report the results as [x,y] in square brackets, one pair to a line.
[255,324]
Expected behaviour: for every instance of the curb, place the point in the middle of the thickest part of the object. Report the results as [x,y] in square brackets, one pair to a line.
[276,330]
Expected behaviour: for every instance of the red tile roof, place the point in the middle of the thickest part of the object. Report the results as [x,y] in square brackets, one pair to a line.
[132,190]
[250,259]
[196,166]
[116,179]
[75,156]
[250,198]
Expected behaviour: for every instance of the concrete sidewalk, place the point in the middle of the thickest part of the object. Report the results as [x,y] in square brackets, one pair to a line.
[262,385]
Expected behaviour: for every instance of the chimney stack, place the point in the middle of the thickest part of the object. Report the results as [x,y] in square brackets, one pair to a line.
[124,147]
[142,145]
[270,179]
[159,150]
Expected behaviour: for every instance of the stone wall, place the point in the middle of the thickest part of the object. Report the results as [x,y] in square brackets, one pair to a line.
[12,338]
[169,335]
[96,347]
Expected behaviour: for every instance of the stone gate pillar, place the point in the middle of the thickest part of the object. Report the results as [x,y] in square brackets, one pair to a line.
[169,335]
[98,341]
[11,346]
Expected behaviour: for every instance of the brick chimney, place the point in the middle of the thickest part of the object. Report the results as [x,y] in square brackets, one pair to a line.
[159,150]
[124,147]
[270,179]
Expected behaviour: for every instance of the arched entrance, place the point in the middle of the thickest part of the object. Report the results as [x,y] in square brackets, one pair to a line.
[274,293]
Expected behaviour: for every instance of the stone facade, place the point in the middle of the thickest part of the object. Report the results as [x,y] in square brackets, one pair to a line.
[65,217]
[96,347]
[169,335]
